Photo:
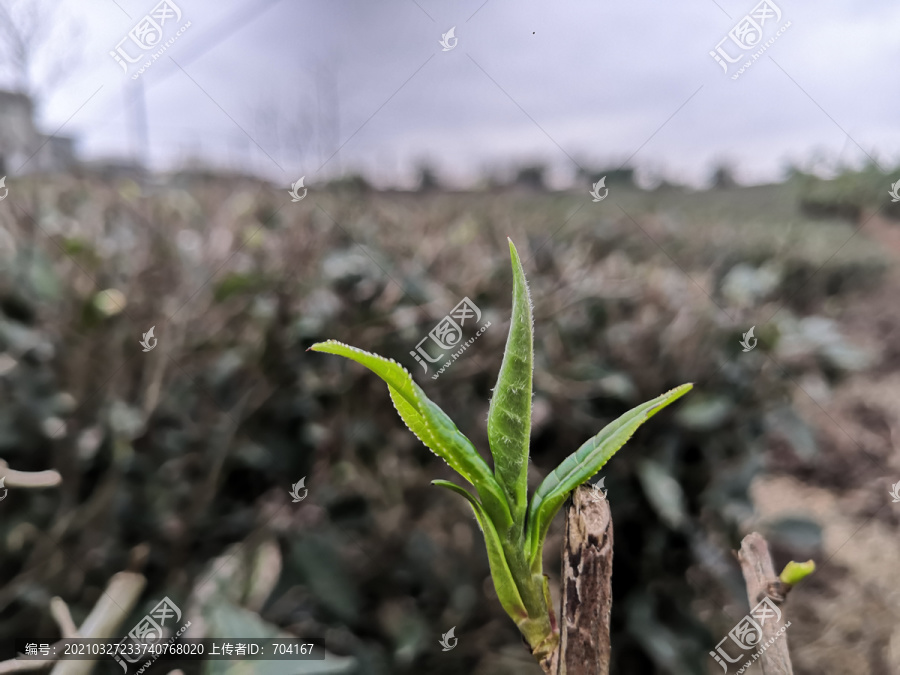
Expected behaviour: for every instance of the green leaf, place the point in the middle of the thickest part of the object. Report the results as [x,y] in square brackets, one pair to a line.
[426,420]
[794,572]
[504,583]
[432,426]
[581,465]
[509,415]
[390,371]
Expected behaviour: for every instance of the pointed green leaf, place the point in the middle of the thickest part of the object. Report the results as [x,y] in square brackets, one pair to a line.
[390,371]
[582,464]
[504,583]
[432,426]
[509,416]
[409,400]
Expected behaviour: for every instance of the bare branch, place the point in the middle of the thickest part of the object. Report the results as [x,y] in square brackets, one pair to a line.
[761,580]
[59,610]
[37,61]
[14,666]
[584,647]
[121,595]
[28,479]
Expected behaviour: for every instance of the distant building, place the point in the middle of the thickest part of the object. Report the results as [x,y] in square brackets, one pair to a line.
[22,148]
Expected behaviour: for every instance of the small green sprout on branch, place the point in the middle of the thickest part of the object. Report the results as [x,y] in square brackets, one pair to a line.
[794,572]
[514,529]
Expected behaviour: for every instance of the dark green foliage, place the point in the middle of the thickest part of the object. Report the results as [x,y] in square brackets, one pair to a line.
[195,479]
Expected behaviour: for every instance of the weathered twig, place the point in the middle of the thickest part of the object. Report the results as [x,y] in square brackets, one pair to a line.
[762,582]
[587,558]
[28,479]
[14,666]
[59,610]
[121,595]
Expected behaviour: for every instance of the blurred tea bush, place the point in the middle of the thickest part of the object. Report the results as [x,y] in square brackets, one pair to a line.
[178,462]
[849,194]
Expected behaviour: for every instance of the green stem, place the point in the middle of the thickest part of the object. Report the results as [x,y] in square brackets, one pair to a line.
[539,629]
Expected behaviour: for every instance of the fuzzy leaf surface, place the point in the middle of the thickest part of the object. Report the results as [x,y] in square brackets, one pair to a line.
[509,415]
[584,463]
[432,426]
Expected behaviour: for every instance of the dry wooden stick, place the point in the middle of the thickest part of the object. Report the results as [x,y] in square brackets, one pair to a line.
[15,666]
[587,557]
[121,595]
[28,479]
[762,582]
[113,607]
[59,610]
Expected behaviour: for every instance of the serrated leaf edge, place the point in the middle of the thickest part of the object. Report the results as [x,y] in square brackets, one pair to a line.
[544,507]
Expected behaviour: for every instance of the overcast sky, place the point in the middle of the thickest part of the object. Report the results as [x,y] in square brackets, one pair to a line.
[276,87]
